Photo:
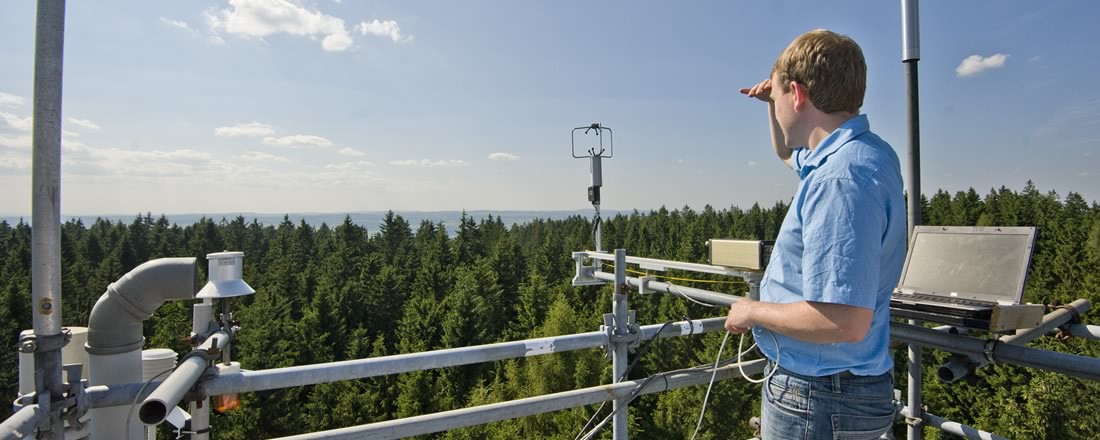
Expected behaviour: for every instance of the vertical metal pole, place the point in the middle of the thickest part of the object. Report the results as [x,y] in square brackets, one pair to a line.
[199,410]
[619,361]
[49,42]
[910,28]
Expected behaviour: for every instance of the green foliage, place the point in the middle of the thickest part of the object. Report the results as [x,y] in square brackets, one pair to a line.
[336,293]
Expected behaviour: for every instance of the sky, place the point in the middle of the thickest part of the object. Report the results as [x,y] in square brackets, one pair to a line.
[274,106]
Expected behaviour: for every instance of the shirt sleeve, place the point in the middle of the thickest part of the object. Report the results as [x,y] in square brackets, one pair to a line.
[843,225]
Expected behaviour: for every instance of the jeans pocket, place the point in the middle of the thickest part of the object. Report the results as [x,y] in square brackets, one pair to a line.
[849,427]
[788,394]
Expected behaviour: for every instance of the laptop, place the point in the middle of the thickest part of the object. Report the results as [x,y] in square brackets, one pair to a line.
[963,270]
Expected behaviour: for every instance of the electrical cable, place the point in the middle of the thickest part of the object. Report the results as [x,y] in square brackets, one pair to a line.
[637,357]
[676,288]
[740,367]
[706,396]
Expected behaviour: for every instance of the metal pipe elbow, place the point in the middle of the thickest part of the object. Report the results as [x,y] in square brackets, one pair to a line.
[115,324]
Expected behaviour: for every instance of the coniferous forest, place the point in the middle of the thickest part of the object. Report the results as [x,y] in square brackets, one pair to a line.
[347,291]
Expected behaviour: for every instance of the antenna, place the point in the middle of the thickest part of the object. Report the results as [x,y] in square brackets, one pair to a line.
[593,136]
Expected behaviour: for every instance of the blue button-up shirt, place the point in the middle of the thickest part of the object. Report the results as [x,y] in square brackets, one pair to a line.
[842,242]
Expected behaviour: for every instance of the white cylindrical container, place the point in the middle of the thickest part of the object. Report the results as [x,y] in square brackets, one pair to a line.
[71,353]
[117,368]
[155,362]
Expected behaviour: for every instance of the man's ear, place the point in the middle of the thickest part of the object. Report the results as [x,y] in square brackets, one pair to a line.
[800,94]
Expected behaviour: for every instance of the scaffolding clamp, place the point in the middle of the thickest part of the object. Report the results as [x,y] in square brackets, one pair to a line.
[990,345]
[585,274]
[632,337]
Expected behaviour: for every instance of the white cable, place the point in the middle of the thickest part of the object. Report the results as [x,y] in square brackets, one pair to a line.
[714,374]
[740,354]
[676,289]
[740,368]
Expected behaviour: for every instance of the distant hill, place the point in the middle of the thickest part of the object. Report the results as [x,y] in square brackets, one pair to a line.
[369,219]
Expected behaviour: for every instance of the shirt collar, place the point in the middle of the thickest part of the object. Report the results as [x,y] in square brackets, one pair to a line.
[847,131]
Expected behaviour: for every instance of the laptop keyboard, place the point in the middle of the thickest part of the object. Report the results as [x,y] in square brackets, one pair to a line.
[945,300]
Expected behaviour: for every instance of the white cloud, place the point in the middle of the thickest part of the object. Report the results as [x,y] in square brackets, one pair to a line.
[1034,59]
[176,24]
[298,140]
[349,166]
[503,156]
[12,121]
[425,163]
[261,18]
[215,40]
[9,100]
[351,152]
[19,142]
[259,156]
[253,129]
[84,123]
[753,163]
[976,64]
[69,133]
[388,28]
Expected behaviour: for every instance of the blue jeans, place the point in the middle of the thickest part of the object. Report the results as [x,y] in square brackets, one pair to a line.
[841,406]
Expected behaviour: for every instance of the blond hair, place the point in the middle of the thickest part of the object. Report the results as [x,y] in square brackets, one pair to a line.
[829,65]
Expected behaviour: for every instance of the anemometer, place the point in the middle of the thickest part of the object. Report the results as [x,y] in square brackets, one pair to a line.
[592,137]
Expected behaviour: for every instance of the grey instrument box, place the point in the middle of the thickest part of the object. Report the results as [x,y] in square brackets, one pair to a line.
[741,254]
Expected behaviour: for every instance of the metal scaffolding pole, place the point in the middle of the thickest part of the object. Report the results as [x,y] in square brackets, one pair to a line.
[704,296]
[276,378]
[619,359]
[996,351]
[956,428]
[49,46]
[23,423]
[910,35]
[479,415]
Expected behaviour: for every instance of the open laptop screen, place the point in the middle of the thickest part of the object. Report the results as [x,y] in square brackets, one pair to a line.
[980,263]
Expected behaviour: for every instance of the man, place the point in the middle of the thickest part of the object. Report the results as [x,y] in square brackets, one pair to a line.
[823,315]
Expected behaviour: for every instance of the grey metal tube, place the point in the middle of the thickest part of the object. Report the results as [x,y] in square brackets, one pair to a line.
[1071,365]
[115,324]
[1050,322]
[46,175]
[103,396]
[705,296]
[161,401]
[23,423]
[1084,331]
[958,367]
[495,412]
[910,24]
[276,378]
[964,431]
[49,48]
[619,359]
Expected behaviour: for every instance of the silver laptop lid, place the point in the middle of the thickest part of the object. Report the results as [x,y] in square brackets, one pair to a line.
[978,263]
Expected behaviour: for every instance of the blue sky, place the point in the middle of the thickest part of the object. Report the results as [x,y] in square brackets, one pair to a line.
[333,106]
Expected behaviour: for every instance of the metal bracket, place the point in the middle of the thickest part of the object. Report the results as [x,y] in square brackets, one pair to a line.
[35,343]
[643,284]
[633,335]
[77,403]
[990,344]
[585,274]
[608,329]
